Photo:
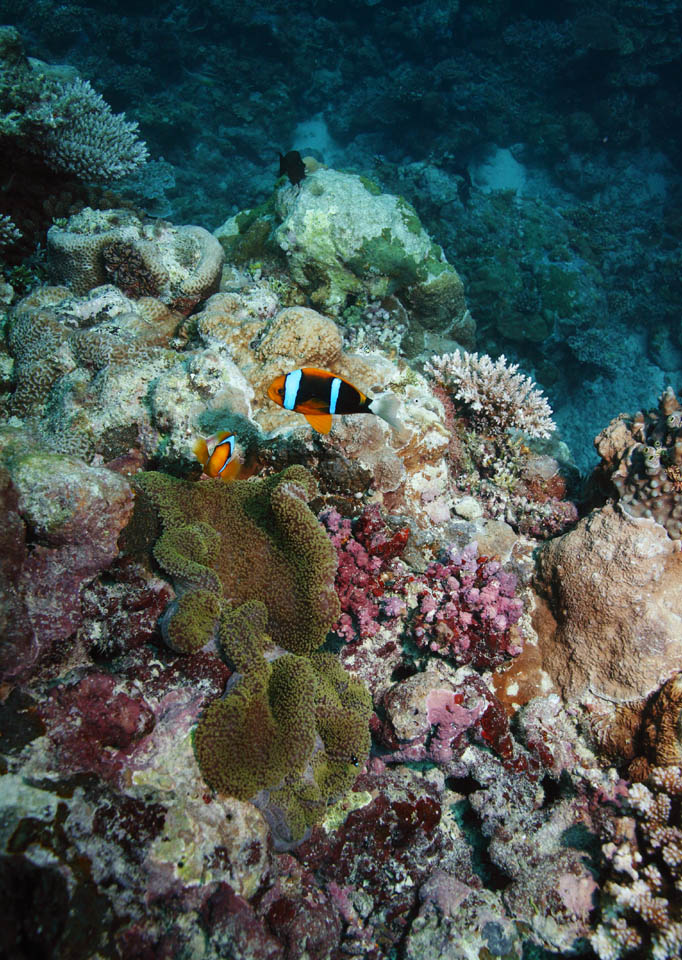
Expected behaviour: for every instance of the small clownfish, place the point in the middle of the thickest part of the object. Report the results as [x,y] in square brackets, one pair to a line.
[217,457]
[318,394]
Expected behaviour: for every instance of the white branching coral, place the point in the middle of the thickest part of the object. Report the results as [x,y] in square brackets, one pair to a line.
[495,393]
[641,905]
[9,232]
[75,131]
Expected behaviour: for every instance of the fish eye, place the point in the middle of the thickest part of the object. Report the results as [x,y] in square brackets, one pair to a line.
[354,760]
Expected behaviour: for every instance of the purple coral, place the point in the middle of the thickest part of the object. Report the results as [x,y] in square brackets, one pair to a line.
[467,608]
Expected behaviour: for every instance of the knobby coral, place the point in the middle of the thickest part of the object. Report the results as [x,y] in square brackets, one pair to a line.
[642,900]
[642,460]
[497,397]
[467,609]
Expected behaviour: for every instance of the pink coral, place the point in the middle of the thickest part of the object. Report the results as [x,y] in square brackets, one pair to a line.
[467,608]
[366,553]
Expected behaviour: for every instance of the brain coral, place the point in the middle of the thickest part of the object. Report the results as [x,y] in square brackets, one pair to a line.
[178,265]
[642,459]
[292,730]
[246,540]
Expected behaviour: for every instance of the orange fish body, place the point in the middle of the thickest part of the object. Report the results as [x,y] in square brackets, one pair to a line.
[319,394]
[217,456]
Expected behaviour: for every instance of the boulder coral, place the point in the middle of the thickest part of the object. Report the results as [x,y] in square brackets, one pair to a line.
[178,265]
[614,585]
[290,733]
[344,240]
[247,540]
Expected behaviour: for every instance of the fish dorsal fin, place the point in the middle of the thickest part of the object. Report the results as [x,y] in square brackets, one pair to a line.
[322,422]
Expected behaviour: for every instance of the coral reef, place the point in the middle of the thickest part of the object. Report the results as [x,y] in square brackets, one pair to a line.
[246,540]
[641,463]
[613,585]
[640,901]
[499,398]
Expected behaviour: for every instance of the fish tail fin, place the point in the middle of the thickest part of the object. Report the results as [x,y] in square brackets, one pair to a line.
[200,451]
[386,406]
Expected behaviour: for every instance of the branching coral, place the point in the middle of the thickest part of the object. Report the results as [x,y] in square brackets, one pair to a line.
[65,123]
[497,396]
[642,901]
[9,232]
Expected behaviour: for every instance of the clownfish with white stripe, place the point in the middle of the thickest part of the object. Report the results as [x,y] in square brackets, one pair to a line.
[318,394]
[217,455]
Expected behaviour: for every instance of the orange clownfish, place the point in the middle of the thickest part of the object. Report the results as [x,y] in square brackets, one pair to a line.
[318,394]
[217,456]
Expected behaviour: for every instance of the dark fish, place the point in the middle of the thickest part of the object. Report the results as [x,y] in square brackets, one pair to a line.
[318,394]
[292,164]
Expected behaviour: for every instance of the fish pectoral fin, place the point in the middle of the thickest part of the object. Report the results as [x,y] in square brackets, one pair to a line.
[231,470]
[322,422]
[200,451]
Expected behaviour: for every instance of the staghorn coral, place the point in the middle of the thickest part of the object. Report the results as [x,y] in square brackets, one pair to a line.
[641,906]
[642,462]
[291,732]
[497,397]
[246,540]
[178,265]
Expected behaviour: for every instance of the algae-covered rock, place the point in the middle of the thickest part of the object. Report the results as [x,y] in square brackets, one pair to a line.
[344,239]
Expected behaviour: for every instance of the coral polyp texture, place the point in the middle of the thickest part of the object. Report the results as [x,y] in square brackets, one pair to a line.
[178,265]
[642,461]
[290,733]
[245,540]
[614,588]
[493,392]
[641,906]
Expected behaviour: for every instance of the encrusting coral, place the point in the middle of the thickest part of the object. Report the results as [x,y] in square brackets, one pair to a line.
[227,543]
[497,395]
[291,732]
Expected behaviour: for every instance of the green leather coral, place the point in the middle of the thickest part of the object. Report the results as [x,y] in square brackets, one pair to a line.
[290,734]
[228,543]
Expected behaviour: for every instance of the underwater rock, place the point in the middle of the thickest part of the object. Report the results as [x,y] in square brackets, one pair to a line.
[73,514]
[614,586]
[344,239]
